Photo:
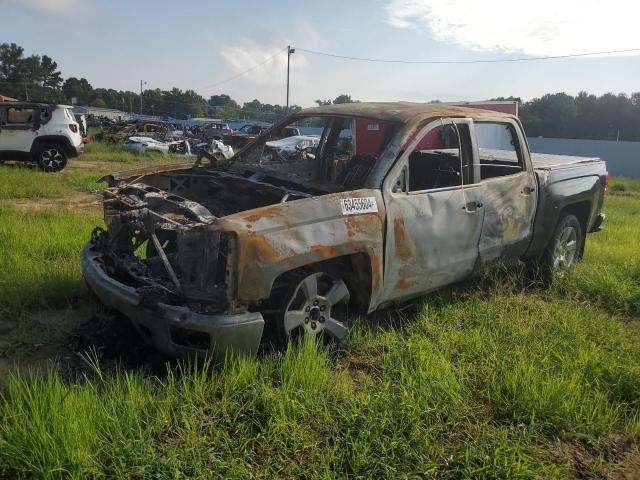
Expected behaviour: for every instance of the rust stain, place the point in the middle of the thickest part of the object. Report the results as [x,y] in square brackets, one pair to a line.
[262,250]
[402,284]
[262,213]
[403,250]
[376,272]
[253,218]
[354,226]
[325,250]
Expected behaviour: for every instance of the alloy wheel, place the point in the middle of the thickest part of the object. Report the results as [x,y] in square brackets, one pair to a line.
[566,248]
[51,158]
[318,306]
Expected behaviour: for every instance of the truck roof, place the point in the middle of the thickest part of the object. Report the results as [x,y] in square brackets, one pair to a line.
[401,112]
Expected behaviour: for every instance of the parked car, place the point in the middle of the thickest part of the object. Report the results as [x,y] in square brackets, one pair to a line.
[423,196]
[213,151]
[216,131]
[148,144]
[292,147]
[47,134]
[156,131]
[145,144]
[250,132]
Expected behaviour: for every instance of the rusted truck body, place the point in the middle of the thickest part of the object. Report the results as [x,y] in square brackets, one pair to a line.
[399,199]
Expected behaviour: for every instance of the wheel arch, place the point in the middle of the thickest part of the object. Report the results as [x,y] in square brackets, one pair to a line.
[355,269]
[582,211]
[58,139]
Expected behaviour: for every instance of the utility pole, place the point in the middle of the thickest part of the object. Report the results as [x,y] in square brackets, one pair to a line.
[141,84]
[290,51]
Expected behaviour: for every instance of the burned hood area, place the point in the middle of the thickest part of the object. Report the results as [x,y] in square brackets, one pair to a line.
[163,237]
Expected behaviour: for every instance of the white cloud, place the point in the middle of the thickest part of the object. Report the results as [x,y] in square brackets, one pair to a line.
[249,54]
[51,7]
[544,27]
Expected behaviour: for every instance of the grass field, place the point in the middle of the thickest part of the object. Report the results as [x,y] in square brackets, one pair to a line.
[482,380]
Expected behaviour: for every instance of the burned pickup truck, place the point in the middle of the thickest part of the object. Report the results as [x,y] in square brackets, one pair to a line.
[399,199]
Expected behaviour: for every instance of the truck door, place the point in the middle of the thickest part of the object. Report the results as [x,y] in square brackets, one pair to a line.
[510,193]
[19,128]
[434,211]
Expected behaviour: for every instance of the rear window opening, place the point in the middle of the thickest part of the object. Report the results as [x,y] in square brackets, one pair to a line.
[498,149]
[17,115]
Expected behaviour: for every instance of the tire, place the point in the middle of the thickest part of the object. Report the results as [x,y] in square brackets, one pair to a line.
[51,157]
[563,251]
[316,304]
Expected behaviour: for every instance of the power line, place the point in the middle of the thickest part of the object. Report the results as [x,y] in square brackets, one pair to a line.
[207,87]
[460,62]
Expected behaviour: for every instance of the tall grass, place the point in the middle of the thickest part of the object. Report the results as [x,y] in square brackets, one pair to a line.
[114,152]
[474,388]
[24,182]
[483,382]
[39,264]
[609,275]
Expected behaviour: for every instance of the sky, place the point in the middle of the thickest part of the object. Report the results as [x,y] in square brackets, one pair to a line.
[200,45]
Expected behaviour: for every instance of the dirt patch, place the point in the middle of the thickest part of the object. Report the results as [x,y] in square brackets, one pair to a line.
[100,165]
[109,338]
[358,366]
[70,339]
[75,201]
[110,166]
[615,456]
[39,340]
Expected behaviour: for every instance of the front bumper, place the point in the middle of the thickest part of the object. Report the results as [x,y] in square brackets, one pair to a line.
[176,331]
[76,150]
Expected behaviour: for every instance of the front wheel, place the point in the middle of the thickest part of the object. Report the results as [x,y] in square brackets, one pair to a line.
[317,304]
[51,157]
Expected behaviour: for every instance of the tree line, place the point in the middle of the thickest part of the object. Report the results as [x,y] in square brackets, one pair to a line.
[558,115]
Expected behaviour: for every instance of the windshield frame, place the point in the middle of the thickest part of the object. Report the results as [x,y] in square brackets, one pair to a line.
[373,179]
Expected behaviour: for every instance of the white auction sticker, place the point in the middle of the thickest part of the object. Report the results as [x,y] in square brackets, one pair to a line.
[351,206]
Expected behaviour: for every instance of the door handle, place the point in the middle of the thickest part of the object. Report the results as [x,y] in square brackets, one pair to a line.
[472,206]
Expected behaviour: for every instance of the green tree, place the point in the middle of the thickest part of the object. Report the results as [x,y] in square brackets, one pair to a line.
[99,102]
[343,99]
[13,74]
[80,89]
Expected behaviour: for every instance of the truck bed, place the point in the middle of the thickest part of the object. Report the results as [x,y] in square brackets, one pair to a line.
[540,161]
[547,161]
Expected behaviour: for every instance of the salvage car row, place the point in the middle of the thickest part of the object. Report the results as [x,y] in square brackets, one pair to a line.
[51,134]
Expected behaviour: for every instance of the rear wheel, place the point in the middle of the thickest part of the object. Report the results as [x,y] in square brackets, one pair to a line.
[564,250]
[51,157]
[317,304]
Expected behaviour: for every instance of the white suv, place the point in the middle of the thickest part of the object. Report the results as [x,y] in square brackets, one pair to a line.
[48,134]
